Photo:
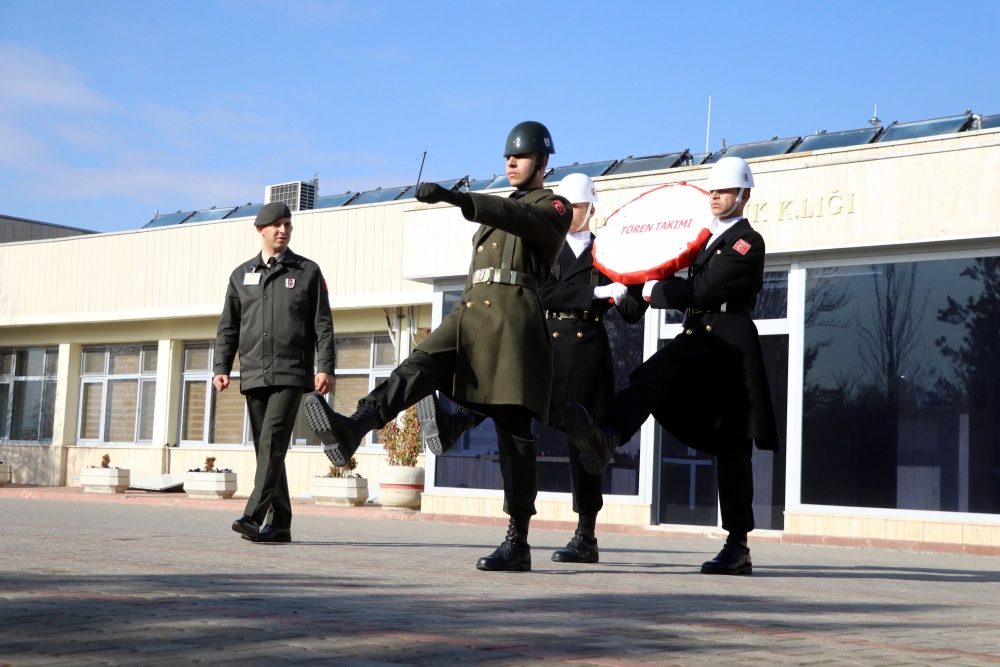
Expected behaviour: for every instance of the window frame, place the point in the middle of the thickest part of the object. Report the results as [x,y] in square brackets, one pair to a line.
[375,373]
[11,379]
[103,378]
[206,376]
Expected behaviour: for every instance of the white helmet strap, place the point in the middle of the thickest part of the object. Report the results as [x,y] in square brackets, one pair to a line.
[736,205]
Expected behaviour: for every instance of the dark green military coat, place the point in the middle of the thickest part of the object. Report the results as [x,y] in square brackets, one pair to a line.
[504,356]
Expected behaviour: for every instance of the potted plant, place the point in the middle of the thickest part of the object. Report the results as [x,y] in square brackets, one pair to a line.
[401,483]
[341,486]
[104,479]
[210,483]
[4,473]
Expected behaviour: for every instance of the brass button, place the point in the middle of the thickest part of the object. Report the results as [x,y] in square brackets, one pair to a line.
[495,246]
[487,303]
[708,328]
[579,334]
[688,332]
[719,251]
[468,304]
[555,334]
[597,319]
[479,249]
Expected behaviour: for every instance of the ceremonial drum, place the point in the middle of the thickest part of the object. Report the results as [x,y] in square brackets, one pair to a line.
[655,235]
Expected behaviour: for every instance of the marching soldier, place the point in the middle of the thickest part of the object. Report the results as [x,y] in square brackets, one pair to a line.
[277,315]
[576,298]
[492,354]
[708,386]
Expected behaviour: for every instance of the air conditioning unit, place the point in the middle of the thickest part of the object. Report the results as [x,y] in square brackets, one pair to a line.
[298,195]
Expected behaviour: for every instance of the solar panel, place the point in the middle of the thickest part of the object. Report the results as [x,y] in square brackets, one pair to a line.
[333,201]
[631,165]
[210,214]
[378,196]
[498,182]
[591,169]
[757,149]
[453,184]
[818,142]
[700,158]
[248,211]
[479,184]
[925,128]
[168,219]
[990,122]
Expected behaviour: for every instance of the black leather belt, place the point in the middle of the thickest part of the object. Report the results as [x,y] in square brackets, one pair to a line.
[504,277]
[726,308]
[584,315]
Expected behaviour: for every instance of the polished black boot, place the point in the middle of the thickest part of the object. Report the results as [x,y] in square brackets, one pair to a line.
[271,534]
[733,559]
[442,429]
[514,555]
[596,444]
[247,527]
[582,548]
[341,436]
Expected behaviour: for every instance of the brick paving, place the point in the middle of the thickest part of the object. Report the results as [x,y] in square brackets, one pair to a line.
[128,584]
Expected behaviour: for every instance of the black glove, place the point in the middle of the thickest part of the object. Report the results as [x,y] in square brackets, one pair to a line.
[431,193]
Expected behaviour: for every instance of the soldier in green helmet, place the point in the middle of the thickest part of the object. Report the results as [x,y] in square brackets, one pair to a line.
[492,355]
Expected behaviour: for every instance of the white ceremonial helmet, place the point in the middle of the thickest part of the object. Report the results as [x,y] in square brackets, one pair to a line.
[578,188]
[730,172]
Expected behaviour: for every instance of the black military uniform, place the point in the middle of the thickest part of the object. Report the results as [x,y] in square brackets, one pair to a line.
[583,372]
[491,355]
[277,316]
[708,386]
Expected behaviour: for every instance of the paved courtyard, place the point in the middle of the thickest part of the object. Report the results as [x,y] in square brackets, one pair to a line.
[96,584]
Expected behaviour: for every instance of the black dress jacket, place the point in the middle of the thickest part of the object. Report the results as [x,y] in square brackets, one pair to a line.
[581,354]
[726,397]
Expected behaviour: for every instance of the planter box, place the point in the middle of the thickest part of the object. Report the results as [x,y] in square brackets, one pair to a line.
[4,473]
[210,485]
[342,491]
[104,480]
[400,487]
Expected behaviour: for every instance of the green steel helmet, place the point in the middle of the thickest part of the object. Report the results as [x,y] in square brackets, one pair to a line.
[529,137]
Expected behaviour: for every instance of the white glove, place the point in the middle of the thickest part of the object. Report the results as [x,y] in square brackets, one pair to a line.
[613,292]
[647,289]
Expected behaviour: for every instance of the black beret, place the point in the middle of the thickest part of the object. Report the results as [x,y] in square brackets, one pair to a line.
[271,213]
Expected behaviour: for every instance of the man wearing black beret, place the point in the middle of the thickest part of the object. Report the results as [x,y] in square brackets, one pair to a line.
[277,316]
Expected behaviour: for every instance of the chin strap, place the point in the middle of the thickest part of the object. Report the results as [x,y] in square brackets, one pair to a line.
[736,205]
[534,172]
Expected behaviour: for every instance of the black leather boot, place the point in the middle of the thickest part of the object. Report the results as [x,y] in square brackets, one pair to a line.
[582,548]
[247,527]
[596,444]
[341,436]
[442,429]
[733,559]
[272,534]
[514,555]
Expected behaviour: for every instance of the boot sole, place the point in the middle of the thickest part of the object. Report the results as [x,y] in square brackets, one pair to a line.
[323,426]
[559,559]
[741,572]
[427,416]
[526,567]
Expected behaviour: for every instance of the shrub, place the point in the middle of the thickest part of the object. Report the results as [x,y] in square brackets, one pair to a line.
[401,439]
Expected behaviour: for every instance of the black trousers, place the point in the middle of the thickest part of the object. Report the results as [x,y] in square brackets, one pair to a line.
[272,418]
[659,380]
[587,495]
[420,375]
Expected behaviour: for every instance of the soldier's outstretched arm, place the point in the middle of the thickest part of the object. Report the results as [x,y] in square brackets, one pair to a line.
[632,307]
[731,272]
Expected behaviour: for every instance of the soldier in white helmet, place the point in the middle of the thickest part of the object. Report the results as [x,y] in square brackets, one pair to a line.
[576,297]
[707,386]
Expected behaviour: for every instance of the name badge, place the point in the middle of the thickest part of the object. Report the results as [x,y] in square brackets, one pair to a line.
[251,278]
[289,283]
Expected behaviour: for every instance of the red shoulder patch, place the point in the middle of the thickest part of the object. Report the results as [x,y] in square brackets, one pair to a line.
[741,247]
[558,205]
[322,282]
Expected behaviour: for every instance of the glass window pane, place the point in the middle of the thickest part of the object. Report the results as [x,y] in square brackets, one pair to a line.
[450,300]
[150,357]
[193,427]
[147,407]
[29,363]
[302,435]
[90,410]
[354,351]
[4,404]
[384,351]
[769,467]
[119,418]
[347,391]
[902,384]
[93,361]
[123,360]
[26,410]
[772,301]
[48,410]
[6,363]
[196,357]
[52,362]
[229,414]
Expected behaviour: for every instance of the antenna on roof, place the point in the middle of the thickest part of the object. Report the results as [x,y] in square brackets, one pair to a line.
[421,172]
[874,121]
[723,143]
[709,127]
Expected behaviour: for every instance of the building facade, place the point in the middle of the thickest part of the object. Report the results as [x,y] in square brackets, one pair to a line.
[880,322]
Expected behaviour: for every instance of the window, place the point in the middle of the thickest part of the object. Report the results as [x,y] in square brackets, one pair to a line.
[118,393]
[901,395]
[208,416]
[28,394]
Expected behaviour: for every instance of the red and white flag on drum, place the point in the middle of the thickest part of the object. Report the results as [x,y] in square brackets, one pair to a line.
[655,235]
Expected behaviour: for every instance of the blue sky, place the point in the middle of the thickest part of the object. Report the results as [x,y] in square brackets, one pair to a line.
[109,110]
